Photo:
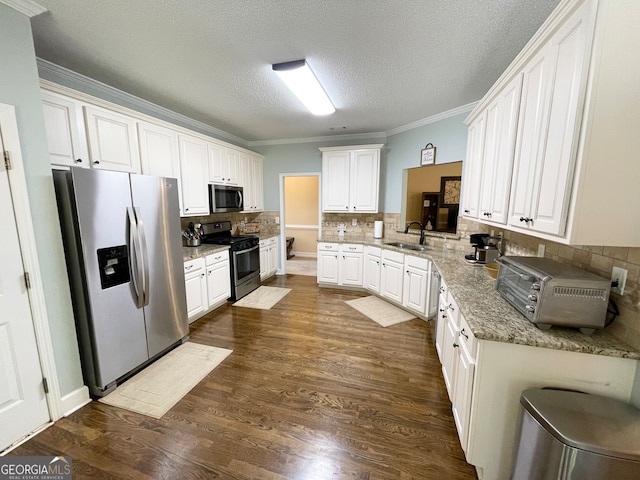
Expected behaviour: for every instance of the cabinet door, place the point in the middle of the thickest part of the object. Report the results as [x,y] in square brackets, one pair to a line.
[415,288]
[364,179]
[113,140]
[159,153]
[472,177]
[441,328]
[351,269]
[273,257]
[217,160]
[462,393]
[264,259]
[434,287]
[554,176]
[196,289]
[328,267]
[218,282]
[66,138]
[194,173]
[232,159]
[391,280]
[372,270]
[449,356]
[258,189]
[335,181]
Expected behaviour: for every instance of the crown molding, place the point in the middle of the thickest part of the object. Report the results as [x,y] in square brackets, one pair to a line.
[57,72]
[26,7]
[433,118]
[326,138]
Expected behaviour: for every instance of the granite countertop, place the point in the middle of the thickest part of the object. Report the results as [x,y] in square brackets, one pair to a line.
[490,317]
[190,253]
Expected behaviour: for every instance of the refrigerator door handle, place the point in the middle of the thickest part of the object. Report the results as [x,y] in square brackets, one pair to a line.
[145,256]
[135,257]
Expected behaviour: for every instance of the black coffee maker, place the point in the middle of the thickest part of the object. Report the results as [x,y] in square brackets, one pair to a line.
[485,248]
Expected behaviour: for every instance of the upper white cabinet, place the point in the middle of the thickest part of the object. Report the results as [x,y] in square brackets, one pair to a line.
[350,178]
[113,140]
[575,135]
[472,165]
[224,165]
[66,138]
[194,172]
[252,183]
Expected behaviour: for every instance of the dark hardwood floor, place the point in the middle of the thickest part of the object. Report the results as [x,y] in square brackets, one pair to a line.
[312,390]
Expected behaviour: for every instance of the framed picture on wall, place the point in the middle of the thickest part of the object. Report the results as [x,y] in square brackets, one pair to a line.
[428,155]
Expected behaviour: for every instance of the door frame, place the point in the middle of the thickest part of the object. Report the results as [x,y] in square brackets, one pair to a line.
[283,222]
[26,236]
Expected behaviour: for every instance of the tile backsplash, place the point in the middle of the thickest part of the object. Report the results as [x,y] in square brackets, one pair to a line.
[266,221]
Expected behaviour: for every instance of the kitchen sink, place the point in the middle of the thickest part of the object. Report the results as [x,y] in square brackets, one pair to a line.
[409,246]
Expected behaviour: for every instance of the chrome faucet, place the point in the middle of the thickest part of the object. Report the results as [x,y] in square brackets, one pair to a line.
[422,228]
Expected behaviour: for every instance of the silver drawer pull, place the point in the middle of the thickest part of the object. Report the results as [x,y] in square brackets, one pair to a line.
[188,267]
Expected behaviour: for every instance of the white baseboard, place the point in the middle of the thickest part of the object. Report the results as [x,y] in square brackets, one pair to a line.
[305,254]
[75,400]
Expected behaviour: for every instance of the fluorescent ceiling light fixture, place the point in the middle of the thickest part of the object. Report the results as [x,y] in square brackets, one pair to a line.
[300,79]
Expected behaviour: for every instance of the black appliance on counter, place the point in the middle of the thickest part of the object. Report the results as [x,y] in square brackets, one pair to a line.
[485,248]
[244,256]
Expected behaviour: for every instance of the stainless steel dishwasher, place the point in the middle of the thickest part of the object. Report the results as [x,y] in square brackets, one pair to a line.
[569,435]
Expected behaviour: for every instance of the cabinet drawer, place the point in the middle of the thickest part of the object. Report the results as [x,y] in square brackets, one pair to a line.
[328,246]
[351,248]
[465,336]
[416,262]
[194,265]
[393,256]
[217,257]
[454,312]
[374,251]
[272,241]
[443,290]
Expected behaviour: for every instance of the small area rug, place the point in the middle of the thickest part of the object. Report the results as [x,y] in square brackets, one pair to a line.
[157,388]
[263,298]
[381,312]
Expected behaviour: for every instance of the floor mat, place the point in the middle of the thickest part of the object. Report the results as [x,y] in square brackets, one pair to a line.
[263,298]
[381,312]
[157,388]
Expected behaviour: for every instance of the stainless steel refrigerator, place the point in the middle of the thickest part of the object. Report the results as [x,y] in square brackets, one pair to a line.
[123,247]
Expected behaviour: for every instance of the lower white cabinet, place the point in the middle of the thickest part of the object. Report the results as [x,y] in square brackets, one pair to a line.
[268,257]
[218,278]
[391,275]
[196,287]
[351,265]
[372,268]
[463,386]
[415,291]
[327,262]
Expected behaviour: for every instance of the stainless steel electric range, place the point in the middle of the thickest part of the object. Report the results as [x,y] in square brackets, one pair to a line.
[244,256]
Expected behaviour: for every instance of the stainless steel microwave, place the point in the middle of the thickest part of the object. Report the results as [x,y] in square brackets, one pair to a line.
[225,198]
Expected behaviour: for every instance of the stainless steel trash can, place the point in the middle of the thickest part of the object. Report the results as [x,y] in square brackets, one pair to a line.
[570,435]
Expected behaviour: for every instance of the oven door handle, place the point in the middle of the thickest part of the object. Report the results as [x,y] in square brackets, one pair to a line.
[237,252]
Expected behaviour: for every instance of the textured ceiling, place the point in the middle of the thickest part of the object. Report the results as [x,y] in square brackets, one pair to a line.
[383,63]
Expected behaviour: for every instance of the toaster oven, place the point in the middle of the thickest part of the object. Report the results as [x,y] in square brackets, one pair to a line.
[552,293]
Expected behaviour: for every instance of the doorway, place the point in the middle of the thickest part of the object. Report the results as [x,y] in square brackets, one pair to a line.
[300,222]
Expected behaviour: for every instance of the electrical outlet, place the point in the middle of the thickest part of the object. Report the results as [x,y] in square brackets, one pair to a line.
[619,275]
[354,222]
[277,220]
[541,249]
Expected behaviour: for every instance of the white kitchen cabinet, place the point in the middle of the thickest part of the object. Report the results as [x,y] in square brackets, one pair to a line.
[372,268]
[218,278]
[415,290]
[545,153]
[268,257]
[66,137]
[449,345]
[464,376]
[499,144]
[472,177]
[392,275]
[327,260]
[194,172]
[113,140]
[252,179]
[224,165]
[351,265]
[442,320]
[350,178]
[196,288]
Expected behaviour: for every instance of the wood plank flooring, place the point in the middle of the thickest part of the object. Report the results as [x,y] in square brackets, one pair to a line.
[312,390]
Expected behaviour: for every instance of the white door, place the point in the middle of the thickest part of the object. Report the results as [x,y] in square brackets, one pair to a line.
[372,273]
[391,280]
[66,136]
[23,405]
[415,289]
[194,172]
[335,182]
[364,175]
[473,167]
[218,284]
